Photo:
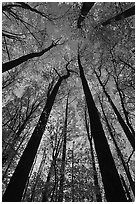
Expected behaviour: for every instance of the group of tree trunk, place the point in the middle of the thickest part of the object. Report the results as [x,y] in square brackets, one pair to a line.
[110,176]
[115,187]
[17,182]
[111,179]
[88,5]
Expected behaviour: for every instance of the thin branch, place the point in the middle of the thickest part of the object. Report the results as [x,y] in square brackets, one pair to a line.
[130,156]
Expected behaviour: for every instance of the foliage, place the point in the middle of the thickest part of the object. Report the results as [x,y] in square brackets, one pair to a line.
[107,50]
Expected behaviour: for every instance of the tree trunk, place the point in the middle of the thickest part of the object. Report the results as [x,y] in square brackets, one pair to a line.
[55,153]
[72,173]
[132,184]
[46,192]
[13,63]
[111,180]
[126,189]
[125,14]
[23,5]
[120,119]
[96,184]
[38,176]
[13,144]
[62,170]
[12,158]
[84,11]
[17,182]
[28,179]
[124,109]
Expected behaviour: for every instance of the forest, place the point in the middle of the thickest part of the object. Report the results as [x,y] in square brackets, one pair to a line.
[68,101]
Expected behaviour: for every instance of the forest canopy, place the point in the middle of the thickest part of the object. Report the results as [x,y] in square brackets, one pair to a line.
[68,101]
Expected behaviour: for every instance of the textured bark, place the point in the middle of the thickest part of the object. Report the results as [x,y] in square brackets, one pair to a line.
[120,119]
[111,180]
[132,183]
[84,11]
[17,182]
[13,63]
[125,14]
[62,170]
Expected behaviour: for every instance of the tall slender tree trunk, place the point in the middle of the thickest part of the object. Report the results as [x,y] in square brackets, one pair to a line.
[120,119]
[124,109]
[28,179]
[47,191]
[96,184]
[38,175]
[111,180]
[132,184]
[14,141]
[126,189]
[17,182]
[72,175]
[62,170]
[12,158]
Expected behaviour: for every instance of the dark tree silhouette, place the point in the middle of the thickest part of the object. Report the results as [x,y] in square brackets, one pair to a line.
[32,198]
[17,182]
[86,6]
[13,63]
[111,180]
[46,194]
[72,174]
[111,132]
[62,170]
[125,14]
[96,184]
[123,104]
[19,124]
[23,5]
[127,132]
[126,189]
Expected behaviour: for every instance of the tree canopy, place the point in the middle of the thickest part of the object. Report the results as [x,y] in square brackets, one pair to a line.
[68,115]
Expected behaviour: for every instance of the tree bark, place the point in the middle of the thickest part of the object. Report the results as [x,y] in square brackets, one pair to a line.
[120,119]
[17,182]
[111,180]
[125,14]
